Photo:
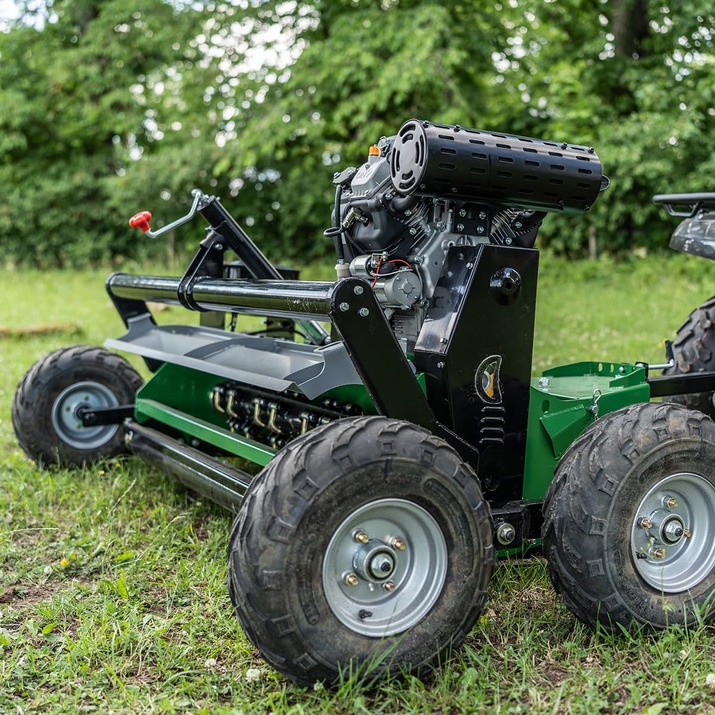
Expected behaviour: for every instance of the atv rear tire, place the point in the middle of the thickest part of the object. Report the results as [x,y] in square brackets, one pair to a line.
[364,548]
[630,518]
[694,351]
[44,411]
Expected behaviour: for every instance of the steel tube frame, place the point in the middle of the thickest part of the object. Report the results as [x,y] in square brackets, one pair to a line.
[279,298]
[215,480]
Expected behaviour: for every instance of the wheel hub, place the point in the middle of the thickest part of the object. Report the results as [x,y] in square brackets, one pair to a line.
[671,535]
[375,561]
[384,567]
[66,410]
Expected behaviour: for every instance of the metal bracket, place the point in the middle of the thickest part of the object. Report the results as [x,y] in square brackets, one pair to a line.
[94,417]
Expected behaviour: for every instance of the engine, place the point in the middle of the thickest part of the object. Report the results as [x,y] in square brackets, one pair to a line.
[431,187]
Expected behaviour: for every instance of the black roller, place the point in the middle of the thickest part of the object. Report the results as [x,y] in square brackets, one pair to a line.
[444,160]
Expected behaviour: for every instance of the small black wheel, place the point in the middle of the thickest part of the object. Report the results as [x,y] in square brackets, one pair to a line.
[630,517]
[694,351]
[46,404]
[364,547]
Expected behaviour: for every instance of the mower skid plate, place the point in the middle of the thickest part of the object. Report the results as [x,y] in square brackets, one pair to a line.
[262,361]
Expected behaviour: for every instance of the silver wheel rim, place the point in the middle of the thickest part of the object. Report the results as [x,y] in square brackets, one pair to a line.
[672,533]
[65,415]
[385,567]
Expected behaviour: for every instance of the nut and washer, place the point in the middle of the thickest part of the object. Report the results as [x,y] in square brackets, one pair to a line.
[389,586]
[670,502]
[364,312]
[398,543]
[345,307]
[644,522]
[358,290]
[351,579]
[506,534]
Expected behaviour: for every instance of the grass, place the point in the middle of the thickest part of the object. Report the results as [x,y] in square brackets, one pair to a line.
[113,593]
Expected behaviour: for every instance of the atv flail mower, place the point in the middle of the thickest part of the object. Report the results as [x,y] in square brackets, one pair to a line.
[404,443]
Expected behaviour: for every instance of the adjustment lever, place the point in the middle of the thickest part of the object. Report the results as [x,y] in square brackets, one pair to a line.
[141,220]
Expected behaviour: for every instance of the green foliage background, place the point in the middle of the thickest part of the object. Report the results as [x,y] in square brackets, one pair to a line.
[107,107]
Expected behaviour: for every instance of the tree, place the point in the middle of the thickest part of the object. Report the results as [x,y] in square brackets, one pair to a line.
[106,106]
[365,69]
[86,90]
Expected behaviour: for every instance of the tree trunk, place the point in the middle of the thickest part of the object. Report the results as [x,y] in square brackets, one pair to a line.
[630,27]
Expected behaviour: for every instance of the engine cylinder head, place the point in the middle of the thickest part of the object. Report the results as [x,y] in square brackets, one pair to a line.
[441,160]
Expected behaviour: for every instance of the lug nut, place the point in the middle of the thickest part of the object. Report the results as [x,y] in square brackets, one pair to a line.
[389,586]
[659,554]
[350,579]
[398,544]
[644,522]
[360,536]
[670,502]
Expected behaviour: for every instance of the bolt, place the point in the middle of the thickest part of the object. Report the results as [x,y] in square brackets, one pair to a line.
[398,543]
[360,536]
[470,265]
[670,502]
[507,241]
[363,312]
[219,246]
[345,307]
[462,212]
[358,290]
[440,364]
[687,533]
[506,533]
[460,227]
[408,213]
[659,554]
[413,231]
[518,224]
[351,579]
[482,215]
[644,522]
[544,382]
[480,229]
[389,586]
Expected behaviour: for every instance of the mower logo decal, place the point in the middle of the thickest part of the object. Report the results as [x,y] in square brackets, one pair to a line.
[486,380]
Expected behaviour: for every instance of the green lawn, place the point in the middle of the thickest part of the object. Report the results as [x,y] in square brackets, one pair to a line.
[113,590]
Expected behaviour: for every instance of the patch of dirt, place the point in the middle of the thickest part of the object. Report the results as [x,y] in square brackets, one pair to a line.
[22,596]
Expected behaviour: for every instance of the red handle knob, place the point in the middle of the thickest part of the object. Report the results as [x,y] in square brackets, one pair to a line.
[141,221]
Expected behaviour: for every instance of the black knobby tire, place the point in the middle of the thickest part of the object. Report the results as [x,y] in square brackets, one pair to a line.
[621,493]
[44,411]
[694,351]
[293,546]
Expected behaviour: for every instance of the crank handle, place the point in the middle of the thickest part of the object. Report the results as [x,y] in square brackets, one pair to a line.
[141,220]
